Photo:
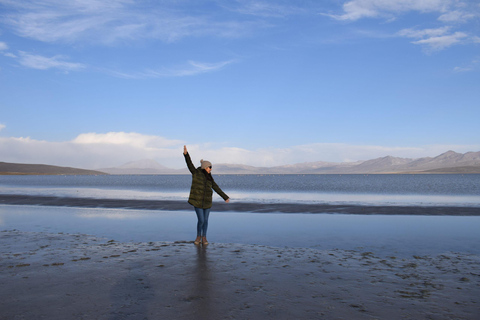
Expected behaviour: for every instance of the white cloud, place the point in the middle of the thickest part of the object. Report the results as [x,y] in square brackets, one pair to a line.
[2,126]
[412,33]
[3,46]
[111,21]
[434,39]
[44,63]
[91,150]
[132,139]
[442,42]
[450,11]
[99,150]
[357,9]
[456,16]
[51,20]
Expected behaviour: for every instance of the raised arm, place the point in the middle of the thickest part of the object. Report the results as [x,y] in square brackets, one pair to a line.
[188,160]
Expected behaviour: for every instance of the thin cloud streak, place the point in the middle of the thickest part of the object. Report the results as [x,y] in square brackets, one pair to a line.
[470,67]
[44,63]
[442,42]
[434,39]
[111,21]
[456,16]
[191,68]
[358,9]
[263,8]
[425,33]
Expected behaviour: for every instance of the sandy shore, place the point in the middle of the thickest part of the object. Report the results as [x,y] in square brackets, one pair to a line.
[74,276]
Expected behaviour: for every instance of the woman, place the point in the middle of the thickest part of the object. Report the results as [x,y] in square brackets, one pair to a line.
[201,194]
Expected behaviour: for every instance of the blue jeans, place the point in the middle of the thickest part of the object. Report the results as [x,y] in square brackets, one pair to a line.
[202,224]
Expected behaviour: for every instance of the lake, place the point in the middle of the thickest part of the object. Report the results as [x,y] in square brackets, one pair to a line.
[392,234]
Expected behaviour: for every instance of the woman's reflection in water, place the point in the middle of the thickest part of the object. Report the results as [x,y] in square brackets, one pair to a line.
[201,296]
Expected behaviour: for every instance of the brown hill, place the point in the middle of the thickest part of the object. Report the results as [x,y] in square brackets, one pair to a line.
[42,169]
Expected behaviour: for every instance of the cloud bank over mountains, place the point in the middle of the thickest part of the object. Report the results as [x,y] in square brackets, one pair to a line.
[99,150]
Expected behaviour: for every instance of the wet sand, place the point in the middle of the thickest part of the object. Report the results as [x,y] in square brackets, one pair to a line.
[76,276]
[171,205]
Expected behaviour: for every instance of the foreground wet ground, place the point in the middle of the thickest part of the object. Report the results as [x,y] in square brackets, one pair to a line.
[64,276]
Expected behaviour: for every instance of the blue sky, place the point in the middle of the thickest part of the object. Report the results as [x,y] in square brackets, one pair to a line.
[97,83]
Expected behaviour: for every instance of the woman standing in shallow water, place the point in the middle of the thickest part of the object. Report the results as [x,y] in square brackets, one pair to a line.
[201,194]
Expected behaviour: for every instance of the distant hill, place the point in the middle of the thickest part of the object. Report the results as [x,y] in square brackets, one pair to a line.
[146,166]
[42,169]
[318,167]
[448,162]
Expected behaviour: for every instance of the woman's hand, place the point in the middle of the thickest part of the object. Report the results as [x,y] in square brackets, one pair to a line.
[228,200]
[185,150]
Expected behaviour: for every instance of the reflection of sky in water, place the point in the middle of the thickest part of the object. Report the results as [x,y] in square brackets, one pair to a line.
[262,197]
[97,193]
[112,214]
[363,199]
[383,235]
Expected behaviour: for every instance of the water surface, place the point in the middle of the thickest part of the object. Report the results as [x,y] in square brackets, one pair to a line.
[396,235]
[415,190]
[394,221]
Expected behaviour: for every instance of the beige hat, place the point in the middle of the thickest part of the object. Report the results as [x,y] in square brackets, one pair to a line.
[205,164]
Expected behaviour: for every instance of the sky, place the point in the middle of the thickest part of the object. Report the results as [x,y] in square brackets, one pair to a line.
[98,83]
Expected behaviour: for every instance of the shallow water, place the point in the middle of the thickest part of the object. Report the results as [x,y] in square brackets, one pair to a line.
[396,235]
[385,228]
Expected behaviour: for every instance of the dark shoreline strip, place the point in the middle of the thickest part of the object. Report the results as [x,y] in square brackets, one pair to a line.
[169,205]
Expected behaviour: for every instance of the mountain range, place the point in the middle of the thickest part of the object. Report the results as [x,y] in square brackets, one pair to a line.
[448,162]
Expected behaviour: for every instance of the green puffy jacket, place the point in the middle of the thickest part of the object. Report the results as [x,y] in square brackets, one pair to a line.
[201,190]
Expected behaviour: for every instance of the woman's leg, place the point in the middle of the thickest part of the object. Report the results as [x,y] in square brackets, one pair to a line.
[200,221]
[206,213]
[202,225]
